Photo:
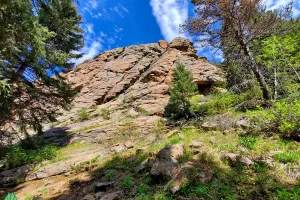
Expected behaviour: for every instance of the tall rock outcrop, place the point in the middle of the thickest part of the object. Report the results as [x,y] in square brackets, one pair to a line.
[139,75]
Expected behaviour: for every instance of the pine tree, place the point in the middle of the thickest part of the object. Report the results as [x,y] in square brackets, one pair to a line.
[183,88]
[38,39]
[233,26]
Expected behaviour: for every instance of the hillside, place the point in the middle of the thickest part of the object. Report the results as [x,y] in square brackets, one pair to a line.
[117,143]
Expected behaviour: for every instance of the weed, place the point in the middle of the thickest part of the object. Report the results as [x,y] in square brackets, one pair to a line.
[128,130]
[105,114]
[143,111]
[110,175]
[127,183]
[19,155]
[83,114]
[284,194]
[142,189]
[286,157]
[248,142]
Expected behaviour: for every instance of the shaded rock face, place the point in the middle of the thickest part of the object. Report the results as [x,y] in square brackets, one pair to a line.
[140,75]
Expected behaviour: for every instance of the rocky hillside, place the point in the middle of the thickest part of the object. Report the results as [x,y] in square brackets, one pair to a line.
[116,143]
[138,74]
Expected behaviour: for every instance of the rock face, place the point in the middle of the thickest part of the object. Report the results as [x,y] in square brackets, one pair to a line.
[139,75]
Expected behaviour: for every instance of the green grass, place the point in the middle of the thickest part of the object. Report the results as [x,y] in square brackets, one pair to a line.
[19,155]
[105,114]
[288,157]
[248,142]
[83,114]
[127,183]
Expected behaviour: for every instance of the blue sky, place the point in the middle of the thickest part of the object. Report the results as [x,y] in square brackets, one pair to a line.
[109,24]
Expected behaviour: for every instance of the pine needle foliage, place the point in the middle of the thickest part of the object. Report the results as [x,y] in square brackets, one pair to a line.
[183,88]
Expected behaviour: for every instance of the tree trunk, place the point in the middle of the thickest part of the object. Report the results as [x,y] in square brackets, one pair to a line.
[258,75]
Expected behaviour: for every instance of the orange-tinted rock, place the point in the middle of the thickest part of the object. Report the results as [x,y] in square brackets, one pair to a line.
[137,75]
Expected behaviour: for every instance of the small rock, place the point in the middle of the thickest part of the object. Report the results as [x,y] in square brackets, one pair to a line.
[129,144]
[226,132]
[118,148]
[163,44]
[132,113]
[232,158]
[88,197]
[98,195]
[103,186]
[209,126]
[112,196]
[246,161]
[165,163]
[144,165]
[243,123]
[196,144]
[140,151]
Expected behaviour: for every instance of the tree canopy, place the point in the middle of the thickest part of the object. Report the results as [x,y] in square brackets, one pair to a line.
[234,26]
[38,39]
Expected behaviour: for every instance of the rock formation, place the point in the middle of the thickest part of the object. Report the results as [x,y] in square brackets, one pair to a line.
[140,75]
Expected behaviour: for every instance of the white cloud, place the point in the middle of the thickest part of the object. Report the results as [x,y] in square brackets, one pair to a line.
[89,52]
[93,3]
[116,9]
[90,28]
[273,4]
[169,15]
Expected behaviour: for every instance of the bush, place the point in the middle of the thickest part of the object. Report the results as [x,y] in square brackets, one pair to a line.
[83,114]
[19,155]
[183,88]
[284,117]
[105,114]
[217,105]
[142,189]
[286,157]
[127,183]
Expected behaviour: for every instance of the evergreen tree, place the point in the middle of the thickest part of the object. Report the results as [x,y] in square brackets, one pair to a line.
[233,26]
[183,88]
[38,39]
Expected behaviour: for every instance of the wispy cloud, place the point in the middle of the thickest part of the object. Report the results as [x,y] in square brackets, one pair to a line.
[93,3]
[90,28]
[169,15]
[89,52]
[273,4]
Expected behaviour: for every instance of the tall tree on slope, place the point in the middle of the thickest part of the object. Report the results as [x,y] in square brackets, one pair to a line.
[38,39]
[233,26]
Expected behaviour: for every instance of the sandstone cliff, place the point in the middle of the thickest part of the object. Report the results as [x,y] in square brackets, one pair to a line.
[140,75]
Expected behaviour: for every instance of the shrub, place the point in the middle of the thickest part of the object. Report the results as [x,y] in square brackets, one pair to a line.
[248,142]
[127,183]
[284,117]
[183,88]
[142,189]
[286,157]
[19,155]
[217,105]
[105,114]
[83,114]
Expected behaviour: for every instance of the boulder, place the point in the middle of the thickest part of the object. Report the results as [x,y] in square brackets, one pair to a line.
[209,126]
[88,197]
[236,159]
[112,196]
[180,44]
[129,144]
[103,186]
[163,44]
[166,161]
